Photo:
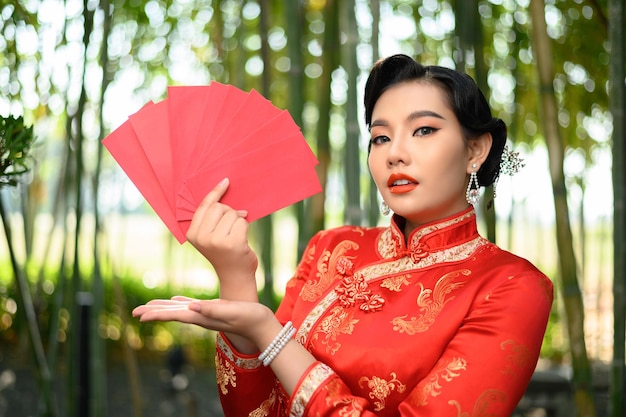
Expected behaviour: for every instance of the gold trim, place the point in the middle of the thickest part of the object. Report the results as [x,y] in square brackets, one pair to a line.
[383,270]
[312,381]
[231,355]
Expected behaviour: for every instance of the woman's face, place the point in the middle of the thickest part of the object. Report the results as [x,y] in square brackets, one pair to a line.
[418,158]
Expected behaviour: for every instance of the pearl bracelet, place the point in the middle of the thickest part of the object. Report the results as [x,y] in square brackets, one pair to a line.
[279,346]
[278,343]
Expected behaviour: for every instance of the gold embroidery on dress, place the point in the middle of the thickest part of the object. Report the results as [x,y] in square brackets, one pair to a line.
[384,269]
[307,259]
[483,405]
[431,302]
[264,409]
[350,405]
[445,371]
[312,381]
[305,328]
[442,225]
[453,254]
[327,270]
[338,321]
[463,251]
[224,374]
[238,361]
[390,239]
[519,357]
[354,289]
[380,389]
[395,283]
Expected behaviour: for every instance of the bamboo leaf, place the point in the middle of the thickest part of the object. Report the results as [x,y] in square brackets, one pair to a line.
[15,143]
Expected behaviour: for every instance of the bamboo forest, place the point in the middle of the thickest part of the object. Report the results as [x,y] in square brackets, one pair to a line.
[81,247]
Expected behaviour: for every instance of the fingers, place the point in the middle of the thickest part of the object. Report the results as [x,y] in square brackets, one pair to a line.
[225,224]
[213,217]
[245,322]
[160,305]
[175,309]
[185,310]
[207,205]
[183,298]
[213,196]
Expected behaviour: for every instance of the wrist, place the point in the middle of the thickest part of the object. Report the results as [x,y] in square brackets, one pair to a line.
[238,288]
[277,344]
[263,328]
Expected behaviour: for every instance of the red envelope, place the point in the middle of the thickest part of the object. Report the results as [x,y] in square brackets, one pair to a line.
[255,180]
[260,189]
[126,149]
[177,150]
[151,127]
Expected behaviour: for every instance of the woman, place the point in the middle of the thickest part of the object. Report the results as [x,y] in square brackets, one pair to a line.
[421,318]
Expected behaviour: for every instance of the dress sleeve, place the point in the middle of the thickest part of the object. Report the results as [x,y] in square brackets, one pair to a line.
[246,387]
[484,369]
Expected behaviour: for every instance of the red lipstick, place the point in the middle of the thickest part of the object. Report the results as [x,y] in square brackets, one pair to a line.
[401,183]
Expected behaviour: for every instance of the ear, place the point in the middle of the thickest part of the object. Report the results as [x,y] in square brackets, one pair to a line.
[478,150]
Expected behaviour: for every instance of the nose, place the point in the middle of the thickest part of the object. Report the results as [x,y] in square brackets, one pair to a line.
[398,152]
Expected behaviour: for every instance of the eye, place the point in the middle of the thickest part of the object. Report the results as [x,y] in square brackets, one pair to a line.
[424,131]
[376,140]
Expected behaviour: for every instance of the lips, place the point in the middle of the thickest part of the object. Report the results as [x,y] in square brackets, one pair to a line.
[400,183]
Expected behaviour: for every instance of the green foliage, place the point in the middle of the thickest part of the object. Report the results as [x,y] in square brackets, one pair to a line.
[15,143]
[115,324]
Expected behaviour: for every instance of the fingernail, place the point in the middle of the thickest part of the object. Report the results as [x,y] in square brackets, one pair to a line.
[223,182]
[195,307]
[242,213]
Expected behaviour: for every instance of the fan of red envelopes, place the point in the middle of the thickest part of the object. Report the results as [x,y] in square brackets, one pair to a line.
[175,151]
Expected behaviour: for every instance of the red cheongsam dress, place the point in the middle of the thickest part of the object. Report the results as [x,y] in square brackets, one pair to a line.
[447,324]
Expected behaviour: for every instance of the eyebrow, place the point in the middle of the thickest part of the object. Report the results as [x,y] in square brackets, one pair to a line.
[415,115]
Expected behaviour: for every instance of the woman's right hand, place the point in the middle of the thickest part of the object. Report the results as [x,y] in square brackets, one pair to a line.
[220,234]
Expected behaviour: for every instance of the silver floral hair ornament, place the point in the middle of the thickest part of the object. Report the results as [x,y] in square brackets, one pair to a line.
[510,164]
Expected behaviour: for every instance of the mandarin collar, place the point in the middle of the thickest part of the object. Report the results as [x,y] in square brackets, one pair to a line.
[427,238]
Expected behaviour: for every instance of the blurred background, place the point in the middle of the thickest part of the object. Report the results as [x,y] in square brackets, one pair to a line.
[80,246]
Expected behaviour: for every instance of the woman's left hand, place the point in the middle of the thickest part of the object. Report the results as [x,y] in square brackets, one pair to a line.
[252,320]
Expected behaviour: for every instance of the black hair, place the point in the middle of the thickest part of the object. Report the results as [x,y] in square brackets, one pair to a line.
[465,99]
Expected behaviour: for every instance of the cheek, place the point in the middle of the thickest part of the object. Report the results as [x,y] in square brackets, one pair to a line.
[450,172]
[373,162]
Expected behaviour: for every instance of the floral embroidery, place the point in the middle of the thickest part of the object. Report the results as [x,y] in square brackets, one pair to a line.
[338,321]
[395,283]
[456,253]
[432,386]
[225,374]
[354,289]
[380,389]
[344,266]
[326,267]
[311,319]
[431,303]
[485,404]
[519,358]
